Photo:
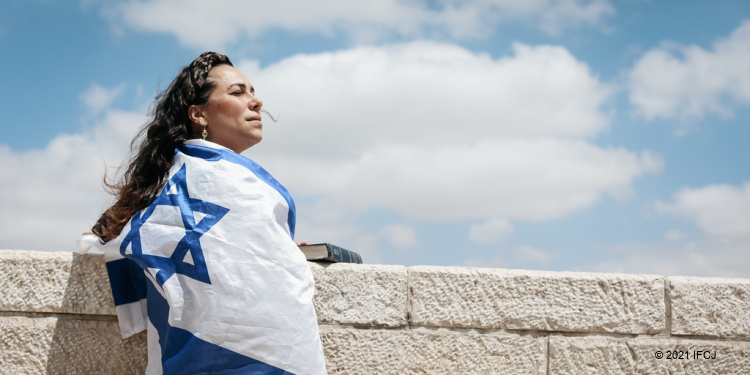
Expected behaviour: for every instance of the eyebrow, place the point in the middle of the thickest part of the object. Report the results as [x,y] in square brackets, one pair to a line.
[242,85]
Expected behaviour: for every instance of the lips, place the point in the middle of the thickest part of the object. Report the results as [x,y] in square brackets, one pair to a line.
[254,118]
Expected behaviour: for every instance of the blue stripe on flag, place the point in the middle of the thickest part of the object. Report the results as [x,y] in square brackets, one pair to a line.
[183,353]
[127,281]
[212,154]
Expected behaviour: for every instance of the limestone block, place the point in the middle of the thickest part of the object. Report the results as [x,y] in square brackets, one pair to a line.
[536,300]
[360,294]
[60,282]
[715,307]
[24,345]
[382,351]
[68,346]
[604,355]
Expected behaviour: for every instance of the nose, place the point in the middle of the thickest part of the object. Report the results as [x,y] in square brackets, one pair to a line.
[255,103]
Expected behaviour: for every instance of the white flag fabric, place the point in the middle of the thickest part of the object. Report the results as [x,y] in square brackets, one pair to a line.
[211,269]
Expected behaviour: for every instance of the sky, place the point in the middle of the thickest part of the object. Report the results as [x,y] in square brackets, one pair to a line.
[561,135]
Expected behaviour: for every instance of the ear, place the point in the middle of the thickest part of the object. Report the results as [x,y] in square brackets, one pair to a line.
[196,115]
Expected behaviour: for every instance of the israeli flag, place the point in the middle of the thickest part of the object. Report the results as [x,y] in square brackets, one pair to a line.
[211,270]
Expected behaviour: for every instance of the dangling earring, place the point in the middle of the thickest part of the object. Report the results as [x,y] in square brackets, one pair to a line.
[205,133]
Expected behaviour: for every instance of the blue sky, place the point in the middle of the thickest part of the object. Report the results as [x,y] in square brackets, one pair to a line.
[606,136]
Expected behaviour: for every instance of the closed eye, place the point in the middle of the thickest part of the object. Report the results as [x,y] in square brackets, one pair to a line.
[241,89]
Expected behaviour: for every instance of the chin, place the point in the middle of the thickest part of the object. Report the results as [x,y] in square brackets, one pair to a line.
[254,142]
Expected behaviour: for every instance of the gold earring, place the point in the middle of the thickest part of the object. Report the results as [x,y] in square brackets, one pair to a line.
[205,133]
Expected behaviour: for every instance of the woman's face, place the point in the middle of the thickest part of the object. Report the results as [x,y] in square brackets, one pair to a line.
[232,113]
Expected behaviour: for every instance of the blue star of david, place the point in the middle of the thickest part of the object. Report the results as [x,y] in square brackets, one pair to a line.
[189,243]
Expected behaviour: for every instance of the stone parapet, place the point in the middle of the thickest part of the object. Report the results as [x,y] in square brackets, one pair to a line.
[607,355]
[379,351]
[712,307]
[68,345]
[539,301]
[57,317]
[58,282]
[357,294]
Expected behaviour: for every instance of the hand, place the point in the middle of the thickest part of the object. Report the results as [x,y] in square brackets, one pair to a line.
[301,243]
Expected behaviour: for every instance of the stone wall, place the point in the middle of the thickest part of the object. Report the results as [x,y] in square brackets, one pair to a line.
[57,317]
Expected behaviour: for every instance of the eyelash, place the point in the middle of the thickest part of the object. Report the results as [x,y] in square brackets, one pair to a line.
[240,93]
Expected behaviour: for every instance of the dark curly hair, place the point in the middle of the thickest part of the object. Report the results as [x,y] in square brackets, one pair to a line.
[153,148]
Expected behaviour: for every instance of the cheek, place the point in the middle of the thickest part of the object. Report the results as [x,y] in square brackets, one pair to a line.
[225,108]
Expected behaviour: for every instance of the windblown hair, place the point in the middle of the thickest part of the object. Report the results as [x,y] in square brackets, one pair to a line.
[153,148]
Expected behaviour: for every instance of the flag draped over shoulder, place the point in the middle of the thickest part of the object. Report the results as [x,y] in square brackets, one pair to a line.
[210,268]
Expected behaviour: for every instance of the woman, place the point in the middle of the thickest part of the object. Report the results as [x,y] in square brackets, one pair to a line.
[204,236]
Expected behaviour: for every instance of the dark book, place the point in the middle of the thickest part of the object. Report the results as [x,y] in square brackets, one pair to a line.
[325,252]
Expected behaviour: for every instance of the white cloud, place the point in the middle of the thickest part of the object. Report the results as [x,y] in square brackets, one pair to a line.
[494,262]
[512,179]
[318,223]
[471,17]
[686,82]
[399,236]
[426,93]
[524,254]
[431,131]
[718,210]
[210,24]
[52,195]
[721,212]
[434,131]
[528,254]
[709,257]
[98,99]
[674,235]
[492,231]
